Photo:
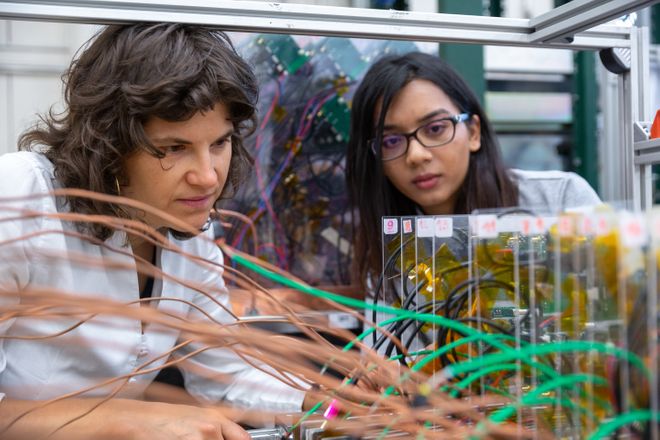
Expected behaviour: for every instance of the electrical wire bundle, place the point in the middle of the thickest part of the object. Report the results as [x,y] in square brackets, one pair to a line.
[297,193]
[563,291]
[291,360]
[486,379]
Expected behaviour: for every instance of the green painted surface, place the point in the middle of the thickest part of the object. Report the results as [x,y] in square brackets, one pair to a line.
[467,59]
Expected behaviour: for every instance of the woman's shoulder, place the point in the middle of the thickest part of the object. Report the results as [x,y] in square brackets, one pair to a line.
[550,180]
[553,190]
[541,176]
[27,158]
[26,171]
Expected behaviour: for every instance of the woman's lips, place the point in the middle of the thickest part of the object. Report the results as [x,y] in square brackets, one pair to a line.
[196,202]
[426,181]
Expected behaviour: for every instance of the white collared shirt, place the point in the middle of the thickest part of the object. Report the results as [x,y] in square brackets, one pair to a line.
[106,346]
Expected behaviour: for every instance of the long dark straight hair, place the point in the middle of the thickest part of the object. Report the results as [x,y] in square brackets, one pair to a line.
[371,194]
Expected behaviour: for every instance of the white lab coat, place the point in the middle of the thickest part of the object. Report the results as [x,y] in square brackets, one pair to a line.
[106,347]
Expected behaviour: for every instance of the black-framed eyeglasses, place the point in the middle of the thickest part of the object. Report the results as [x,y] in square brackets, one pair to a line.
[435,133]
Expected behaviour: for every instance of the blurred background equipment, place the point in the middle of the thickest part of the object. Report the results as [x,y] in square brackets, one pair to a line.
[554,106]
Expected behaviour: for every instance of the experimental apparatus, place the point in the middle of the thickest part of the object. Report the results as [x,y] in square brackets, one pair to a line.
[543,324]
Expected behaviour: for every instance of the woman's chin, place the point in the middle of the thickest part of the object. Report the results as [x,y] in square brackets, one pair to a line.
[195,228]
[195,222]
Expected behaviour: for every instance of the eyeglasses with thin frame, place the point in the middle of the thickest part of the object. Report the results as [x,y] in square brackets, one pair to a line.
[435,133]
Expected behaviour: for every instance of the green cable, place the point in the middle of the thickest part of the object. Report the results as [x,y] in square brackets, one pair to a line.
[440,320]
[307,414]
[347,347]
[448,347]
[490,337]
[402,315]
[440,351]
[412,353]
[609,427]
[561,382]
[451,370]
[539,350]
[351,302]
[476,336]
[490,369]
[562,402]
[500,392]
[471,378]
[532,398]
[399,313]
[382,435]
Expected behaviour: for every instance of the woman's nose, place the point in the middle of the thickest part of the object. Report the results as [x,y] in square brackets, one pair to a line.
[202,171]
[417,153]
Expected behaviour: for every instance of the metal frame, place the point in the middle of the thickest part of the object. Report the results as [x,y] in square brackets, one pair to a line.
[564,22]
[640,111]
[570,26]
[575,25]
[311,20]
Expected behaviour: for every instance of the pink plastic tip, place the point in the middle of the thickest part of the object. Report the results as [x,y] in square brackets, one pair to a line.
[332,411]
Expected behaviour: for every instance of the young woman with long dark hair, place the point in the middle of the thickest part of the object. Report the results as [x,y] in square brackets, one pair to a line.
[421,143]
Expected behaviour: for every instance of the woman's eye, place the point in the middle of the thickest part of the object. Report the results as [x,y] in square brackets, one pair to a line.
[171,149]
[392,141]
[435,128]
[223,143]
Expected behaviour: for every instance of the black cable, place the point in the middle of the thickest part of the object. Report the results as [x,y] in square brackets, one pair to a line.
[399,325]
[379,285]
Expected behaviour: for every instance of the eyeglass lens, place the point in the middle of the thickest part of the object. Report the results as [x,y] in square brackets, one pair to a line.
[433,134]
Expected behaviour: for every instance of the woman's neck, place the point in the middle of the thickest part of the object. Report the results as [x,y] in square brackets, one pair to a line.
[142,248]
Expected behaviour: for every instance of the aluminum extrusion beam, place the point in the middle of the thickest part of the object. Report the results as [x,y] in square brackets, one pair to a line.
[564,22]
[641,111]
[299,19]
[647,152]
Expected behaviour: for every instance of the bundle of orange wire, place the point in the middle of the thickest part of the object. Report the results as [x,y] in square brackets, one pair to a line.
[359,378]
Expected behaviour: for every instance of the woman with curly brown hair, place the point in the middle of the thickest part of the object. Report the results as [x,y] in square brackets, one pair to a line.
[155,113]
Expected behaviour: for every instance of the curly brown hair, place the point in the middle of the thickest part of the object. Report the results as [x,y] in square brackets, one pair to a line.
[125,75]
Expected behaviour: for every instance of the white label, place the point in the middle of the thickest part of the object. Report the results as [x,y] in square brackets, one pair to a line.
[510,223]
[587,225]
[540,225]
[425,227]
[390,226]
[407,226]
[603,226]
[633,230]
[444,226]
[486,226]
[526,222]
[533,225]
[342,320]
[565,226]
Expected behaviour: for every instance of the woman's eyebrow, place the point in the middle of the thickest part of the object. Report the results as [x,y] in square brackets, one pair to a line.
[178,140]
[227,134]
[433,114]
[170,140]
[426,117]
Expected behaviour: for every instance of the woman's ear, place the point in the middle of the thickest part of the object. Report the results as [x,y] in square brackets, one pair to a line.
[474,127]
